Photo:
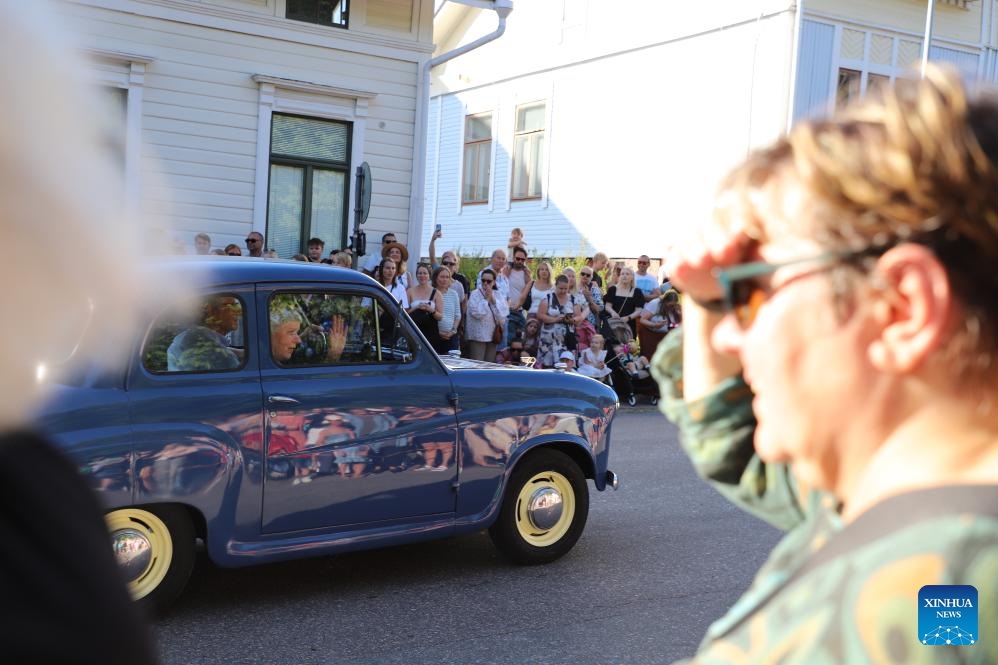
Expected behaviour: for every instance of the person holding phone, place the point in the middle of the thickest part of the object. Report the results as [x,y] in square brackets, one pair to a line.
[558,314]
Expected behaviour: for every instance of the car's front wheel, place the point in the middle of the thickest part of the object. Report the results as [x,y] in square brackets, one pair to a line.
[544,509]
[154,547]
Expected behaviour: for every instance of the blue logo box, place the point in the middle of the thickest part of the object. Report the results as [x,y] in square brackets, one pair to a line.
[947,615]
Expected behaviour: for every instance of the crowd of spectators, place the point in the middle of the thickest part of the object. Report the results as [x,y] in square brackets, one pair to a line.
[519,314]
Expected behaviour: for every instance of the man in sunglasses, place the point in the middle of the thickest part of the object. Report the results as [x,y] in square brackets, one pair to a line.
[520,281]
[254,244]
[838,376]
[644,280]
[373,259]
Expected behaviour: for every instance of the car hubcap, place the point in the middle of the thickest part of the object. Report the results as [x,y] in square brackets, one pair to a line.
[545,508]
[142,546]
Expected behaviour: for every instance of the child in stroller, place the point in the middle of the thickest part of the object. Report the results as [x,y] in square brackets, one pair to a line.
[629,374]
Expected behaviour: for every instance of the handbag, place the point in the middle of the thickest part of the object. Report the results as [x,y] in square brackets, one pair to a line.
[497,331]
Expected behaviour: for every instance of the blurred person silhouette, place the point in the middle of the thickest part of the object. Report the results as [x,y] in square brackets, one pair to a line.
[835,375]
[202,244]
[62,595]
[205,347]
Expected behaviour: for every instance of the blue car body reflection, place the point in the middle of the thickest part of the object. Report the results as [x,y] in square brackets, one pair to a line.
[277,460]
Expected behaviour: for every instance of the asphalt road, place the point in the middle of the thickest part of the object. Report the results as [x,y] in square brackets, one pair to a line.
[659,560]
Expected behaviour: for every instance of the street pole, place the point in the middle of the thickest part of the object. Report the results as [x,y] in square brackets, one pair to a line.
[358,219]
[927,39]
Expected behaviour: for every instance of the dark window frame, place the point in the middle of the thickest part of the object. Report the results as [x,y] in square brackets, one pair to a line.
[309,12]
[310,165]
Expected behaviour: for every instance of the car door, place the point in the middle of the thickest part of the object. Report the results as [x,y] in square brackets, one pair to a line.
[196,408]
[366,435]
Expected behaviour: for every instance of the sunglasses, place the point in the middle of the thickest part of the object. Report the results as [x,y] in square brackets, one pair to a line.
[488,281]
[449,264]
[585,274]
[743,296]
[249,240]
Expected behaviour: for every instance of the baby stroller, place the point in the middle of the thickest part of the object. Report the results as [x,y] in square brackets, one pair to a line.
[620,342]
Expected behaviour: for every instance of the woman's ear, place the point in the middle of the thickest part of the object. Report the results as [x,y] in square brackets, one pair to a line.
[912,308]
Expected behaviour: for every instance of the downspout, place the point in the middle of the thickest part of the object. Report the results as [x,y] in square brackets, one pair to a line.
[794,58]
[417,203]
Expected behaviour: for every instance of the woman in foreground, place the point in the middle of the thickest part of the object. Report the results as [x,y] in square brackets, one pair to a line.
[836,376]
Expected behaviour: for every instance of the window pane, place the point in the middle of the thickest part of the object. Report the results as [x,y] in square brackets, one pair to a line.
[848,87]
[114,109]
[528,152]
[483,172]
[328,207]
[284,210]
[875,83]
[200,336]
[478,127]
[477,158]
[536,155]
[323,12]
[477,161]
[530,118]
[309,138]
[470,187]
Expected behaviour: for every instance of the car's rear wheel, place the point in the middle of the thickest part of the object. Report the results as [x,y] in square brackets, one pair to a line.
[544,509]
[154,547]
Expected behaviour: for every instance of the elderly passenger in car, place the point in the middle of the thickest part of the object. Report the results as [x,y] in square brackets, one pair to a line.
[290,329]
[206,346]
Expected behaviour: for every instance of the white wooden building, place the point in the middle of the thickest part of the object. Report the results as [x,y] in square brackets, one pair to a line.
[242,115]
[606,126]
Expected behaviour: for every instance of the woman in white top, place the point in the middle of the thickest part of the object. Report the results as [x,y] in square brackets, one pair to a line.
[485,310]
[387,275]
[540,287]
[426,307]
[450,320]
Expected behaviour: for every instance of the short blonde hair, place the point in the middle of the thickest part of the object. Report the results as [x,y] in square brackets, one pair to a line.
[918,165]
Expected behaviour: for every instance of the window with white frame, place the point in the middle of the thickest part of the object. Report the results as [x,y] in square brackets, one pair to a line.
[528,150]
[323,12]
[477,158]
[309,178]
[119,79]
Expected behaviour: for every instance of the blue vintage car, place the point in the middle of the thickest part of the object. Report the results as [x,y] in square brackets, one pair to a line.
[286,410]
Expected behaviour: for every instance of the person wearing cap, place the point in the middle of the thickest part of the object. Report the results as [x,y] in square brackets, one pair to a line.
[568,358]
[397,252]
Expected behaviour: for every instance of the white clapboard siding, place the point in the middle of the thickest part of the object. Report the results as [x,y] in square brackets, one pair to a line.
[200,108]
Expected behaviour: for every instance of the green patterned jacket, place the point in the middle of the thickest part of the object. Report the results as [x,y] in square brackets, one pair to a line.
[830,593]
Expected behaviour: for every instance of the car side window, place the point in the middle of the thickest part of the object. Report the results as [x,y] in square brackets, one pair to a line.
[205,335]
[329,328]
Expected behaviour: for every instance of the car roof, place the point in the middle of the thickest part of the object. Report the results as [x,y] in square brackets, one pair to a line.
[218,270]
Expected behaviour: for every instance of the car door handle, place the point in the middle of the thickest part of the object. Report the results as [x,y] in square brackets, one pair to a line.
[281,399]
